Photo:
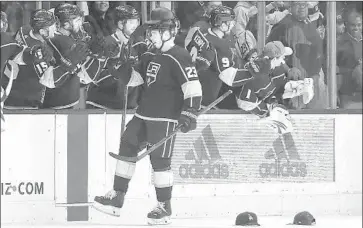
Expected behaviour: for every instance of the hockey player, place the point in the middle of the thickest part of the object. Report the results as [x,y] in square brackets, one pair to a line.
[69,53]
[29,86]
[9,49]
[172,97]
[202,24]
[215,57]
[105,92]
[263,95]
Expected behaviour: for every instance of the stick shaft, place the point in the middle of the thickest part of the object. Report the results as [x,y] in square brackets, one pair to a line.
[161,142]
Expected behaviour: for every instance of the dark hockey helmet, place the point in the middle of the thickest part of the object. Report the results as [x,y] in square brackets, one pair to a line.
[221,14]
[126,12]
[41,19]
[162,18]
[65,12]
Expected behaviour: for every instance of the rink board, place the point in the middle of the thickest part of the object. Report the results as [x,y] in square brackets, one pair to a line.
[235,149]
[52,162]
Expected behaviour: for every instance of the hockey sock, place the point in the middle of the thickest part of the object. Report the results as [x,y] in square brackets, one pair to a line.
[163,194]
[121,184]
[123,174]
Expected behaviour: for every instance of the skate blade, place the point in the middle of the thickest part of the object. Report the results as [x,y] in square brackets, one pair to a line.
[110,210]
[163,221]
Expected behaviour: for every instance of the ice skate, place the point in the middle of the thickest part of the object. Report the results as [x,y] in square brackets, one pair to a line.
[111,203]
[160,215]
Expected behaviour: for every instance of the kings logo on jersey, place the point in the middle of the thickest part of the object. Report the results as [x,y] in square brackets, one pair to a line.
[151,72]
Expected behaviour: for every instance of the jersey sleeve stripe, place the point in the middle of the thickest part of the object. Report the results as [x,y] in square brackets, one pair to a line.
[18,59]
[263,88]
[219,69]
[103,78]
[192,89]
[138,43]
[22,36]
[181,68]
[56,49]
[47,78]
[135,79]
[278,76]
[9,44]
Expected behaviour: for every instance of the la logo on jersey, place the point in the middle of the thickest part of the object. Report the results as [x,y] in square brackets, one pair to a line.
[151,72]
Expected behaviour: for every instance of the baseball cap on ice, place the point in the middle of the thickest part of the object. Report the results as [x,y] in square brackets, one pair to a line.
[247,219]
[304,218]
[275,49]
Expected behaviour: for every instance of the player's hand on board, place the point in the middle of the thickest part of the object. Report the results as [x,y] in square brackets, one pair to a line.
[188,120]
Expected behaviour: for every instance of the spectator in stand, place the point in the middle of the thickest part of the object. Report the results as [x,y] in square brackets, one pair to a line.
[349,61]
[340,21]
[317,18]
[296,31]
[100,18]
[246,10]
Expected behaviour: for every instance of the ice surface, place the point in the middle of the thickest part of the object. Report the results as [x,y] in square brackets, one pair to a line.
[265,222]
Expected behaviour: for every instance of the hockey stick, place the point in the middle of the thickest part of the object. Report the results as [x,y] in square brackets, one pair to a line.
[123,123]
[162,141]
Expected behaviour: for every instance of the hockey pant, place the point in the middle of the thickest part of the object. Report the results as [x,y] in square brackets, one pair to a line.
[140,132]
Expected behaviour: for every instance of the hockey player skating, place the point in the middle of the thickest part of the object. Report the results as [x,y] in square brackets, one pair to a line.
[29,80]
[172,97]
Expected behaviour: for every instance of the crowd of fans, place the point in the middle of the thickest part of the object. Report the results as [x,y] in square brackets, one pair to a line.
[299,25]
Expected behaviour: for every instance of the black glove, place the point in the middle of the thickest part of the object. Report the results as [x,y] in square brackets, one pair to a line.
[73,58]
[188,120]
[39,53]
[106,47]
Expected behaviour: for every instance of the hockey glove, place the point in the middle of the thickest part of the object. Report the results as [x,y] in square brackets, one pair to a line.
[294,74]
[38,54]
[73,58]
[259,68]
[105,47]
[188,120]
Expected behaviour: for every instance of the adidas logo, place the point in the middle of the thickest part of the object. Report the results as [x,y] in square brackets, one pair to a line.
[204,148]
[283,148]
[206,158]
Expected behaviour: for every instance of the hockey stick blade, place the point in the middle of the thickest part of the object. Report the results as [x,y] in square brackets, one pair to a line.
[162,141]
